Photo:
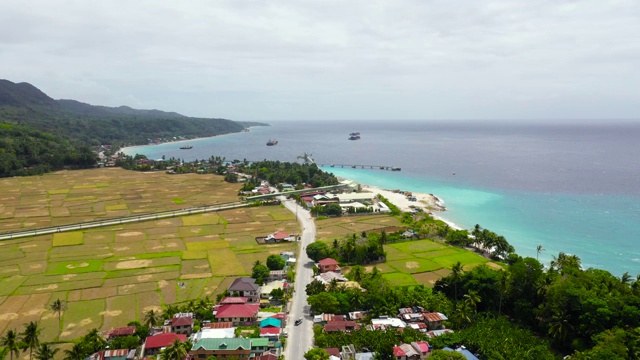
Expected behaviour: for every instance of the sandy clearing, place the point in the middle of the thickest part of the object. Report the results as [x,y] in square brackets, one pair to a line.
[111,313]
[162,284]
[69,276]
[48,288]
[81,265]
[133,264]
[131,233]
[412,265]
[8,316]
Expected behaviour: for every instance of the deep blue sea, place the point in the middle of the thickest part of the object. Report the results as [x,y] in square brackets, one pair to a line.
[570,188]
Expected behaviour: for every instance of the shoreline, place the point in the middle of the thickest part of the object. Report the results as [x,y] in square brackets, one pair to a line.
[123,149]
[429,203]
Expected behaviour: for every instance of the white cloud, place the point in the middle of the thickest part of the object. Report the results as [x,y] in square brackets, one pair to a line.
[332,59]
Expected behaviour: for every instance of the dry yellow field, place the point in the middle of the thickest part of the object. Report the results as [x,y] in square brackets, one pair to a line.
[110,276]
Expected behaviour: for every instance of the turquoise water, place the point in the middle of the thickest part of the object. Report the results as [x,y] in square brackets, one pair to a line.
[571,189]
[587,225]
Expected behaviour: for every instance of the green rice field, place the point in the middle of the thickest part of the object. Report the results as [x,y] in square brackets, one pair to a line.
[110,276]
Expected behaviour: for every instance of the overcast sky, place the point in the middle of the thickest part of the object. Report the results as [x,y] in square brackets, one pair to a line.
[298,59]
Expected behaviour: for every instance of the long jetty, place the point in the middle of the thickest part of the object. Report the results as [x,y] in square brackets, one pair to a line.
[358,166]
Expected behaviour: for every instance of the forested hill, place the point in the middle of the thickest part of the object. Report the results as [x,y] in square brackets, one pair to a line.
[26,105]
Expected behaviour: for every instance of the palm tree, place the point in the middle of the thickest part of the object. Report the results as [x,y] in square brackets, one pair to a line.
[58,306]
[11,343]
[456,275]
[46,352]
[77,352]
[539,249]
[31,337]
[151,318]
[472,299]
[625,278]
[559,327]
[176,351]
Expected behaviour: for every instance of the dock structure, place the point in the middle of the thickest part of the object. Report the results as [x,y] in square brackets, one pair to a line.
[358,166]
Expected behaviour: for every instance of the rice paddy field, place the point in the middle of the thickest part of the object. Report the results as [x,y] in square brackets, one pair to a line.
[408,263]
[110,276]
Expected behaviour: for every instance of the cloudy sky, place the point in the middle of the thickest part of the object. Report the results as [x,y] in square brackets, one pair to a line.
[310,59]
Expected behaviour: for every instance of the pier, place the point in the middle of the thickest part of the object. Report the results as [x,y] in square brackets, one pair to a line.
[357,166]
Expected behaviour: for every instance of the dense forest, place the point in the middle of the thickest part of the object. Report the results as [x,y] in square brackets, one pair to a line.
[32,121]
[25,151]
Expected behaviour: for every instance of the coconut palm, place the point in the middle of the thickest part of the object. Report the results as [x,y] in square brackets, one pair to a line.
[151,318]
[58,306]
[456,275]
[472,299]
[77,352]
[539,249]
[11,343]
[625,279]
[559,327]
[176,351]
[31,337]
[46,352]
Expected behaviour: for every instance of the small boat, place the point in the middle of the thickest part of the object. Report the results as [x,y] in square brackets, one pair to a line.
[272,142]
[354,136]
[186,147]
[395,169]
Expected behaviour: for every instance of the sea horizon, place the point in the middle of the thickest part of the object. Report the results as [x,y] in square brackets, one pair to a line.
[567,187]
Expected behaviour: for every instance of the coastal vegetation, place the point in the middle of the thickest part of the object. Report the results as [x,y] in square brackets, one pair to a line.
[277,172]
[39,134]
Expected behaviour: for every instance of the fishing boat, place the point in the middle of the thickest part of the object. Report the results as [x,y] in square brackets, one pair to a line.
[186,147]
[354,136]
[272,142]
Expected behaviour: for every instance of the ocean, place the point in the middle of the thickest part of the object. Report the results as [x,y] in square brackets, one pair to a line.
[571,188]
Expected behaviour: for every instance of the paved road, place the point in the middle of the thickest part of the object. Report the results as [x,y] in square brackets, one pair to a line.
[301,337]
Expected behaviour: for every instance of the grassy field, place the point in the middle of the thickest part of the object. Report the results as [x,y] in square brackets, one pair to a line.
[110,276]
[409,262]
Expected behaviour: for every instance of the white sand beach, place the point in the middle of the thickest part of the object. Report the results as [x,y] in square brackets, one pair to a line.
[427,202]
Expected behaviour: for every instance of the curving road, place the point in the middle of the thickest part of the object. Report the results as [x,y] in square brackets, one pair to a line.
[300,337]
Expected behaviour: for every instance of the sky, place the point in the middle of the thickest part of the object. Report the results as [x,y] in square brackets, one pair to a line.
[332,60]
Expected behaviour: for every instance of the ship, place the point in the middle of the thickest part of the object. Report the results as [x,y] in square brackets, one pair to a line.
[354,136]
[272,142]
[186,147]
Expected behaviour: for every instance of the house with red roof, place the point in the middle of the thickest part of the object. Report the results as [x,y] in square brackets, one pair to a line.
[182,325]
[238,314]
[121,331]
[328,264]
[415,351]
[234,300]
[155,343]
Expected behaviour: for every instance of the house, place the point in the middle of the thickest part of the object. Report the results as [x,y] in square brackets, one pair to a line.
[239,300]
[266,289]
[238,314]
[219,333]
[434,333]
[217,325]
[333,352]
[278,236]
[357,315]
[221,348]
[328,264]
[270,332]
[155,343]
[462,350]
[342,325]
[434,320]
[388,322]
[277,275]
[271,322]
[246,287]
[268,355]
[414,351]
[286,255]
[121,331]
[348,352]
[259,346]
[120,354]
[182,324]
[327,277]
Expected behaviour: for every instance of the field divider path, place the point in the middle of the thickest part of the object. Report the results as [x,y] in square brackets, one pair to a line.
[123,220]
